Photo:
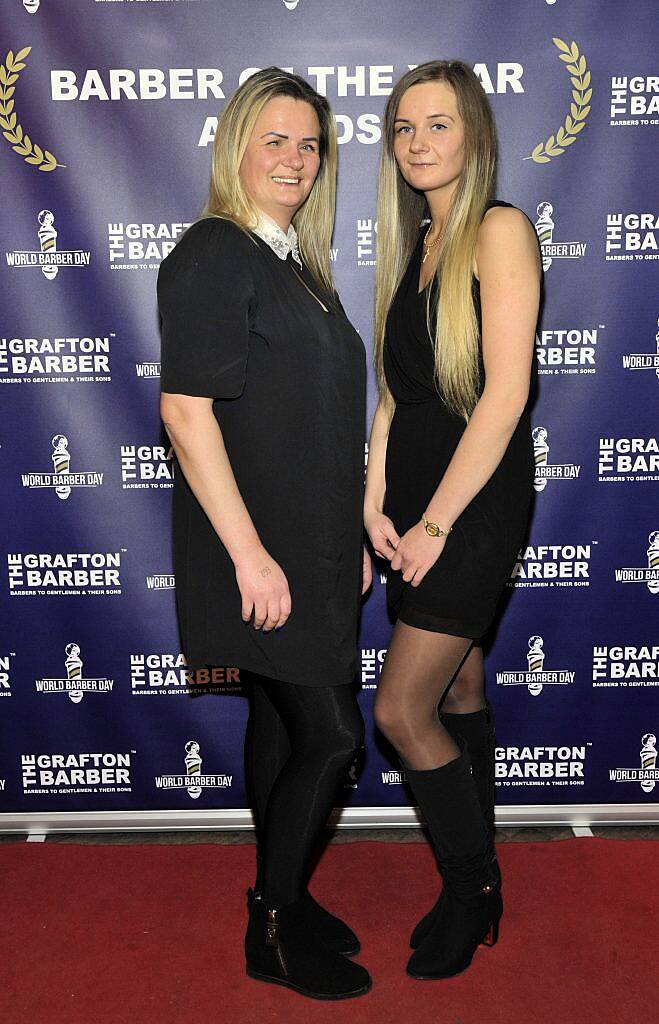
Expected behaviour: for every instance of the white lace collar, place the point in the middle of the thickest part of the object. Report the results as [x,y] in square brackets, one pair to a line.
[280,243]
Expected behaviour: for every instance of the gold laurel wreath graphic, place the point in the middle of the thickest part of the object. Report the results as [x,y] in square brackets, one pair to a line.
[20,141]
[575,121]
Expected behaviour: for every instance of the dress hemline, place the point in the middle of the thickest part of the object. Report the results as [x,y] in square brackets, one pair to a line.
[437,624]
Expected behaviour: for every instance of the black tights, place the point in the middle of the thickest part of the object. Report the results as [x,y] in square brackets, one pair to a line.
[421,669]
[299,744]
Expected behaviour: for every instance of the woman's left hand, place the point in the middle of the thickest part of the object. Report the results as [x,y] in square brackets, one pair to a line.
[417,553]
[367,572]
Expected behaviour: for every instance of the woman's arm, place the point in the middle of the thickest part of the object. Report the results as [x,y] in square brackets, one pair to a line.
[378,526]
[508,267]
[197,441]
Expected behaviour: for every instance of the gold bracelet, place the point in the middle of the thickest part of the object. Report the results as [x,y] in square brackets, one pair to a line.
[433,530]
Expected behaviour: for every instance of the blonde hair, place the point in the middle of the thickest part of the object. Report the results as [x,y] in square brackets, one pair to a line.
[400,212]
[314,221]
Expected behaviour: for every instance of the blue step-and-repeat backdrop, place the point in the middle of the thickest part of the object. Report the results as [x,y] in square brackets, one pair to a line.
[108,110]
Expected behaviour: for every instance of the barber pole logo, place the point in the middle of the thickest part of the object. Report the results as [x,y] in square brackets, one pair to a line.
[48,258]
[74,684]
[551,250]
[61,480]
[193,781]
[648,755]
[193,768]
[648,774]
[536,676]
[644,360]
[544,470]
[641,574]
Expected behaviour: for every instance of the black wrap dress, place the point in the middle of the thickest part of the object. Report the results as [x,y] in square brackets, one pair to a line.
[287,379]
[460,593]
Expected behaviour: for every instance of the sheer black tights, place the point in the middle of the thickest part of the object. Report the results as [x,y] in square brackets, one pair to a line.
[421,669]
[299,744]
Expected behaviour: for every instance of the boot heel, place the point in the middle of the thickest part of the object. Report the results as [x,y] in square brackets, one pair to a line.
[491,935]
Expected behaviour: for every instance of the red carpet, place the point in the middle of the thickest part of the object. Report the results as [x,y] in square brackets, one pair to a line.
[153,935]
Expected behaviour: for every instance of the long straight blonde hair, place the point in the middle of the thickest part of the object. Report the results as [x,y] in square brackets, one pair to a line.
[314,221]
[401,210]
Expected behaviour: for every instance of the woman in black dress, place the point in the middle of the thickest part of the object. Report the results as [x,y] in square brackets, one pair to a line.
[263,398]
[450,474]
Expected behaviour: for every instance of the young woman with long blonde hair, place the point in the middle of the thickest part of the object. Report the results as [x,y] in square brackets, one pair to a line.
[450,472]
[263,398]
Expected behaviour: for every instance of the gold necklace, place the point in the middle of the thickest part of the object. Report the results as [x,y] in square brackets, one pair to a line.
[312,294]
[432,245]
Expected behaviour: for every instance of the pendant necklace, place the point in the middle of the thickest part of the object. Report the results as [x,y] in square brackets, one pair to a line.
[427,248]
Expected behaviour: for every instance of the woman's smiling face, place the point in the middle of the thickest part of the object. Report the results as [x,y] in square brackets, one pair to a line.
[282,158]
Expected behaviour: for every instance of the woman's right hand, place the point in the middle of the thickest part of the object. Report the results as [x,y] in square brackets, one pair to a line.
[263,589]
[382,534]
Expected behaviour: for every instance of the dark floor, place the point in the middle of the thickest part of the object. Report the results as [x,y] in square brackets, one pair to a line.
[509,834]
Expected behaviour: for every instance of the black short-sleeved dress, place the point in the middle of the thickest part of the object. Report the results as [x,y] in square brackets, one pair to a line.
[240,326]
[459,594]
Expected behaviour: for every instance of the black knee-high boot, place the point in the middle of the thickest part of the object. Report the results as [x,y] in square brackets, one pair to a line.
[472,905]
[477,728]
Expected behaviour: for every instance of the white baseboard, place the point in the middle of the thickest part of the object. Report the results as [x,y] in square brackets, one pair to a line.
[349,817]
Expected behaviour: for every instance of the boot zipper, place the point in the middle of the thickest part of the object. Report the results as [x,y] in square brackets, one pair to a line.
[272,937]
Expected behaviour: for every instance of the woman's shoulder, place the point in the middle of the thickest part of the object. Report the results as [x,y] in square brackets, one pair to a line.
[503,221]
[214,234]
[209,240]
[499,203]
[505,233]
[504,215]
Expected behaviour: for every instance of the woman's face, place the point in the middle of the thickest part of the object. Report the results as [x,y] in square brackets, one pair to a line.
[282,158]
[429,137]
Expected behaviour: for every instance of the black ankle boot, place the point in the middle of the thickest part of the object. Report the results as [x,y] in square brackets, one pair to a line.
[281,948]
[477,728]
[471,906]
[334,932]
